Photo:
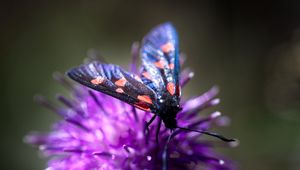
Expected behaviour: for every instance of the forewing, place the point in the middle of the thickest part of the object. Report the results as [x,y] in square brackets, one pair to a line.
[160,60]
[112,80]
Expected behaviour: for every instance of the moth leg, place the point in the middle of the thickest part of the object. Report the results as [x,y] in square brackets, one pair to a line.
[158,130]
[146,128]
[165,152]
[149,123]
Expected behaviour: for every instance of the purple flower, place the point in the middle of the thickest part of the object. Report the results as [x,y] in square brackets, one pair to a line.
[101,132]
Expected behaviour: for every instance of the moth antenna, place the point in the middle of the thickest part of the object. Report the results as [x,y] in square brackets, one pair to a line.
[213,134]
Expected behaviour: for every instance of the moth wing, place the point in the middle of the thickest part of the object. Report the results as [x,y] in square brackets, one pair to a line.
[160,60]
[114,81]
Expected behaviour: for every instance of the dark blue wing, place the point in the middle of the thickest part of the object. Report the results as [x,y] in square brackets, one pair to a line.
[160,60]
[112,80]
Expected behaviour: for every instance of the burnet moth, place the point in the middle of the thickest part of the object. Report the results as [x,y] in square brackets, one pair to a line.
[156,89]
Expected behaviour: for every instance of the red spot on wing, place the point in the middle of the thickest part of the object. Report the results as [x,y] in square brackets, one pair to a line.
[171,66]
[168,47]
[119,90]
[178,90]
[121,82]
[171,88]
[98,80]
[142,106]
[146,75]
[145,98]
[160,64]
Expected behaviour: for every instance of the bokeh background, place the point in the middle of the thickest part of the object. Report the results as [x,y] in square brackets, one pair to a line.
[250,48]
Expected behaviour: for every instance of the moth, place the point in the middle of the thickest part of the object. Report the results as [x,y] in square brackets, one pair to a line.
[155,89]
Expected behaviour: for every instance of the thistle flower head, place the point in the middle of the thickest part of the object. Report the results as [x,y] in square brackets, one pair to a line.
[100,132]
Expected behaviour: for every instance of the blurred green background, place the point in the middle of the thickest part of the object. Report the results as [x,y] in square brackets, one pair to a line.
[251,49]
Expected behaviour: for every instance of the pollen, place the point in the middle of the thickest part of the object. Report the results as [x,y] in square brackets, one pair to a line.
[137,78]
[119,90]
[121,82]
[171,88]
[98,80]
[145,98]
[168,47]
